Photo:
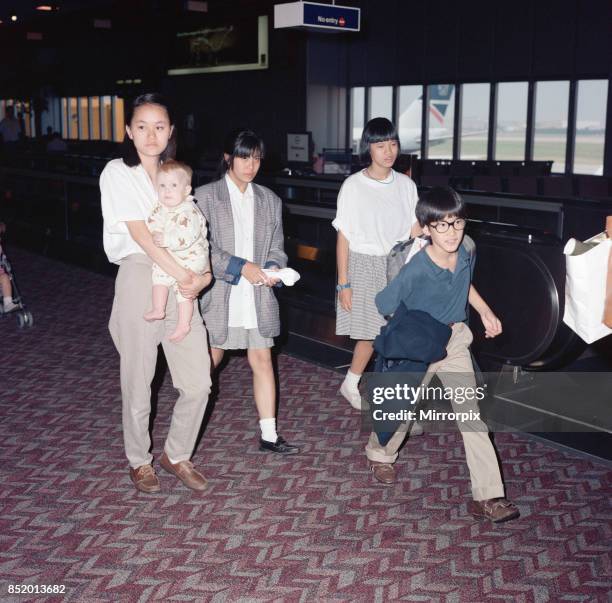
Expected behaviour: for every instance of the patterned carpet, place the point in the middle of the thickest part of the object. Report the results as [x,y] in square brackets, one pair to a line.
[308,528]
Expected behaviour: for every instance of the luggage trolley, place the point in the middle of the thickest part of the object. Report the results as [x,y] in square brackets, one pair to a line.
[24,316]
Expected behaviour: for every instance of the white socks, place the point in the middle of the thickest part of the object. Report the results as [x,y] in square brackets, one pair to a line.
[268,430]
[350,390]
[352,380]
[8,301]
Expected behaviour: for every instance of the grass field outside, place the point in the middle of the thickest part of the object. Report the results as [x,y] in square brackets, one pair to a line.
[588,156]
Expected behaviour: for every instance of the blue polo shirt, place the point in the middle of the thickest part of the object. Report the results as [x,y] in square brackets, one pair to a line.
[423,285]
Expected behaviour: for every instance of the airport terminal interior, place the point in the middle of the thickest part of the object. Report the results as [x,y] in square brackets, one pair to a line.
[509,103]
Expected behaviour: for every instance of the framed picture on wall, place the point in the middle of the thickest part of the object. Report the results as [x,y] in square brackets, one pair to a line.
[236,45]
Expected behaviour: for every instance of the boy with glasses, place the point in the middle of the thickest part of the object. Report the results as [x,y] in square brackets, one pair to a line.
[438,281]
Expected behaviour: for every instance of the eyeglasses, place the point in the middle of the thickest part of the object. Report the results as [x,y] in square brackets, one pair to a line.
[443,226]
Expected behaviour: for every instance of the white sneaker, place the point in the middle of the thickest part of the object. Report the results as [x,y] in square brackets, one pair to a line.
[416,429]
[9,307]
[352,395]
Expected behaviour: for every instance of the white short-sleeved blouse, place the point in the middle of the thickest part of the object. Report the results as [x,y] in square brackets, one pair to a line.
[374,215]
[127,195]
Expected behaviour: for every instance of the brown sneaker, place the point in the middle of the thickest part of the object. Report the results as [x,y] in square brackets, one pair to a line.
[495,509]
[185,472]
[144,479]
[383,472]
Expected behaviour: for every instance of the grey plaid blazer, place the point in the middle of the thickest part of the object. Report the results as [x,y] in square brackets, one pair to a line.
[214,201]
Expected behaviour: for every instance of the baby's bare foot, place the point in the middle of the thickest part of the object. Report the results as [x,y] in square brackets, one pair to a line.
[179,333]
[154,315]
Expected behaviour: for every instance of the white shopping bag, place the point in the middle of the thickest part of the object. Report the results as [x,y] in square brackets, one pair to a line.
[585,289]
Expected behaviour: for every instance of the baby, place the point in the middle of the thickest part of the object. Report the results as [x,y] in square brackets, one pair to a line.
[177,224]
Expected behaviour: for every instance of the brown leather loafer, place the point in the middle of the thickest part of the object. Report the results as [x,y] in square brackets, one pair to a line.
[383,472]
[497,510]
[185,472]
[144,479]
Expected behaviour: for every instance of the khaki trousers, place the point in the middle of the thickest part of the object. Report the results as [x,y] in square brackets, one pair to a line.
[456,370]
[137,341]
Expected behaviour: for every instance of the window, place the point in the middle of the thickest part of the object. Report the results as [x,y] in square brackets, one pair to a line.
[64,118]
[119,125]
[24,115]
[23,112]
[410,111]
[73,118]
[357,113]
[474,121]
[550,120]
[590,126]
[511,127]
[51,117]
[441,116]
[550,131]
[94,118]
[381,102]
[83,118]
[107,112]
[27,112]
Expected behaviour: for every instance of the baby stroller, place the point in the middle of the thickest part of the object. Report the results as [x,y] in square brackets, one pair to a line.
[24,316]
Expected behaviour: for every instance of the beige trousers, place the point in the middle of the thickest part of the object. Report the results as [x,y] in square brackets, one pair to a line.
[456,370]
[137,341]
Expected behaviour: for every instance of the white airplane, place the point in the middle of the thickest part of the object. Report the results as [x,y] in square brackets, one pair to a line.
[440,119]
[441,113]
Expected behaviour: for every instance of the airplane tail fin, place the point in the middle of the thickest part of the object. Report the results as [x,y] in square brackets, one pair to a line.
[440,97]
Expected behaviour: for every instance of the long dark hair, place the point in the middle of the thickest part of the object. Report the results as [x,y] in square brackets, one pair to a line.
[376,130]
[129,154]
[243,143]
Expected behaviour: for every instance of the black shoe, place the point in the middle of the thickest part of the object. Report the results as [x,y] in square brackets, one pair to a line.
[279,446]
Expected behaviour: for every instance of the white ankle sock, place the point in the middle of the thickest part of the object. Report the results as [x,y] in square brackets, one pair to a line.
[268,430]
[352,380]
[8,301]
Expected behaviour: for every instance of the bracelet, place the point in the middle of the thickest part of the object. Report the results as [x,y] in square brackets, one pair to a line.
[345,286]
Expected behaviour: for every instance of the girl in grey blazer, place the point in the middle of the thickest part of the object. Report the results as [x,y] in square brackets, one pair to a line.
[246,238]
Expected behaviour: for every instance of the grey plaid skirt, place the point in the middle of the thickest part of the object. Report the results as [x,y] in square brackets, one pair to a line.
[368,276]
[239,338]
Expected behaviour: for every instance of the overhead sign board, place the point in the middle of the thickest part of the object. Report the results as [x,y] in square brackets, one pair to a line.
[319,16]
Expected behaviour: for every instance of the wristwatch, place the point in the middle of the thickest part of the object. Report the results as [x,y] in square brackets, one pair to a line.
[345,286]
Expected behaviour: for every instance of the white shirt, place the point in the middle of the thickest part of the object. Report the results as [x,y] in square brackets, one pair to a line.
[242,298]
[127,194]
[375,215]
